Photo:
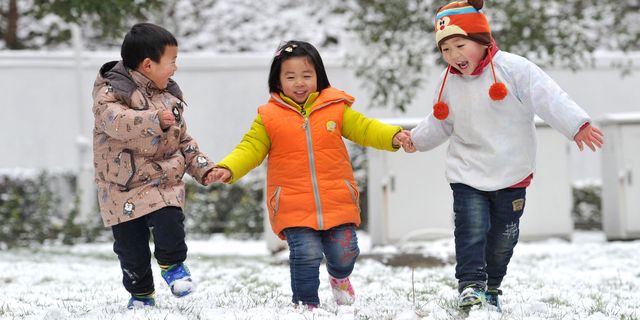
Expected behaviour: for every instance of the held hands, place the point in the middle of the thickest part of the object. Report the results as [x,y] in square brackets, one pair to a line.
[166,119]
[217,175]
[403,138]
[589,135]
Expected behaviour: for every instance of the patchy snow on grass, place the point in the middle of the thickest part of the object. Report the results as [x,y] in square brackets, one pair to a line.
[586,278]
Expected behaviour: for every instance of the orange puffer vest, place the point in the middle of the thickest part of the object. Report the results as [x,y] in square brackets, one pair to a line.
[310,181]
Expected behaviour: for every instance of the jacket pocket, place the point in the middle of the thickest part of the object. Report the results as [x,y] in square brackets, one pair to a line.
[169,171]
[274,202]
[125,169]
[355,194]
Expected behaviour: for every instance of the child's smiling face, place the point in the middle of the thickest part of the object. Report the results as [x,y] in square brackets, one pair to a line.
[463,54]
[298,79]
[160,72]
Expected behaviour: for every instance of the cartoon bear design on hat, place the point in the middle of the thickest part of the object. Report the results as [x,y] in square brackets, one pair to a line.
[445,28]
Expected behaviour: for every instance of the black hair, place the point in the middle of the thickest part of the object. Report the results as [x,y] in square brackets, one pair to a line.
[145,40]
[293,48]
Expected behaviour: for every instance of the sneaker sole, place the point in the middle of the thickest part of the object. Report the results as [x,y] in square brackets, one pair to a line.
[470,304]
[181,288]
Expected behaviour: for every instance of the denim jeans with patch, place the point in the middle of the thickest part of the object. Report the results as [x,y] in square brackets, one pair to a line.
[307,247]
[487,227]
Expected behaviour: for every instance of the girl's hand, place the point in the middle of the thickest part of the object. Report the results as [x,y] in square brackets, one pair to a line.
[403,138]
[589,135]
[217,175]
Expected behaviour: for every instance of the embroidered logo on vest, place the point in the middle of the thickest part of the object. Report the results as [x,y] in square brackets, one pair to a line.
[331,126]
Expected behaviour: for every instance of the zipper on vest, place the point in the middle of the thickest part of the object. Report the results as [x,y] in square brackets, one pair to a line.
[314,178]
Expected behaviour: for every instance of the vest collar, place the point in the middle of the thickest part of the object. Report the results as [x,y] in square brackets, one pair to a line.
[315,100]
[307,104]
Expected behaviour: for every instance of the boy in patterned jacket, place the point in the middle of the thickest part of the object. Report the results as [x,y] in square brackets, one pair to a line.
[141,152]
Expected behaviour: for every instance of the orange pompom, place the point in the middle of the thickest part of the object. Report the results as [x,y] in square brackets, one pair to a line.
[440,110]
[498,91]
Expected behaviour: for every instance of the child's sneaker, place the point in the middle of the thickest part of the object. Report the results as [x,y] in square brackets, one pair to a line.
[179,280]
[342,291]
[470,296]
[305,307]
[138,301]
[492,298]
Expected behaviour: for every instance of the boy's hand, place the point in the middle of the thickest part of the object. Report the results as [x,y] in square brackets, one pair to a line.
[166,119]
[218,175]
[403,138]
[589,135]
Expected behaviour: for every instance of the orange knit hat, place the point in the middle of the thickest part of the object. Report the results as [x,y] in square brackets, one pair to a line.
[464,19]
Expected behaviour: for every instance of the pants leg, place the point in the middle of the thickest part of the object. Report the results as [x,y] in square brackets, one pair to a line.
[305,256]
[167,225]
[132,247]
[471,208]
[503,235]
[340,246]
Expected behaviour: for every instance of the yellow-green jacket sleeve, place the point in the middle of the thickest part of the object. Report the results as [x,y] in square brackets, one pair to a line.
[249,153]
[368,132]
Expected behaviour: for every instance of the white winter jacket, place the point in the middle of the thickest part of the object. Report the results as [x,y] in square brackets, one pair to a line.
[493,143]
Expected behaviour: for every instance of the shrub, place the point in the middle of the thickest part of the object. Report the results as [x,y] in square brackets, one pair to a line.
[38,207]
[30,211]
[587,206]
[230,209]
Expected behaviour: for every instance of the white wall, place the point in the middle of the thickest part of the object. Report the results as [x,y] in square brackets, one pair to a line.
[46,102]
[42,101]
[41,94]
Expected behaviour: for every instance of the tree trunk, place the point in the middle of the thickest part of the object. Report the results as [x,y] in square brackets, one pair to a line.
[10,36]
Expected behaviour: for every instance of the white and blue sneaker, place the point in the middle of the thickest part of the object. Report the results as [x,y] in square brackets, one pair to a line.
[491,295]
[138,301]
[179,280]
[471,296]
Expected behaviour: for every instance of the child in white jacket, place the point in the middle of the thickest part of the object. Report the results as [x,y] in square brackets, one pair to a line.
[486,110]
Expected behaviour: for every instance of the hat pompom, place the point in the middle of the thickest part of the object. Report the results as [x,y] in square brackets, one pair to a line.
[440,110]
[498,91]
[478,4]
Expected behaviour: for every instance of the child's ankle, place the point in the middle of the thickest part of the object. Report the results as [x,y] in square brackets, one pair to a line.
[149,294]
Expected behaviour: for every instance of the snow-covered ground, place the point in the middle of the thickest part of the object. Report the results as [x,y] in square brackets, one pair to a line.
[586,278]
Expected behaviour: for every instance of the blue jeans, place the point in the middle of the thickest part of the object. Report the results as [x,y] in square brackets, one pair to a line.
[487,227]
[306,248]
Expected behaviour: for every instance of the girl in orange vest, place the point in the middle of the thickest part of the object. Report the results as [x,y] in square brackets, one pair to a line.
[312,196]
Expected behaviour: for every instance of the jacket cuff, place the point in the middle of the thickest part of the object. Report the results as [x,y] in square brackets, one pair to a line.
[394,147]
[202,172]
[586,123]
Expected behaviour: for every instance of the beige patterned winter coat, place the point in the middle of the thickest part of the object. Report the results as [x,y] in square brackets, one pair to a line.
[139,166]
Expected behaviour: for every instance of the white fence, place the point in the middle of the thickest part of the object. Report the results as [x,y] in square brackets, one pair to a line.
[620,165]
[409,197]
[46,103]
